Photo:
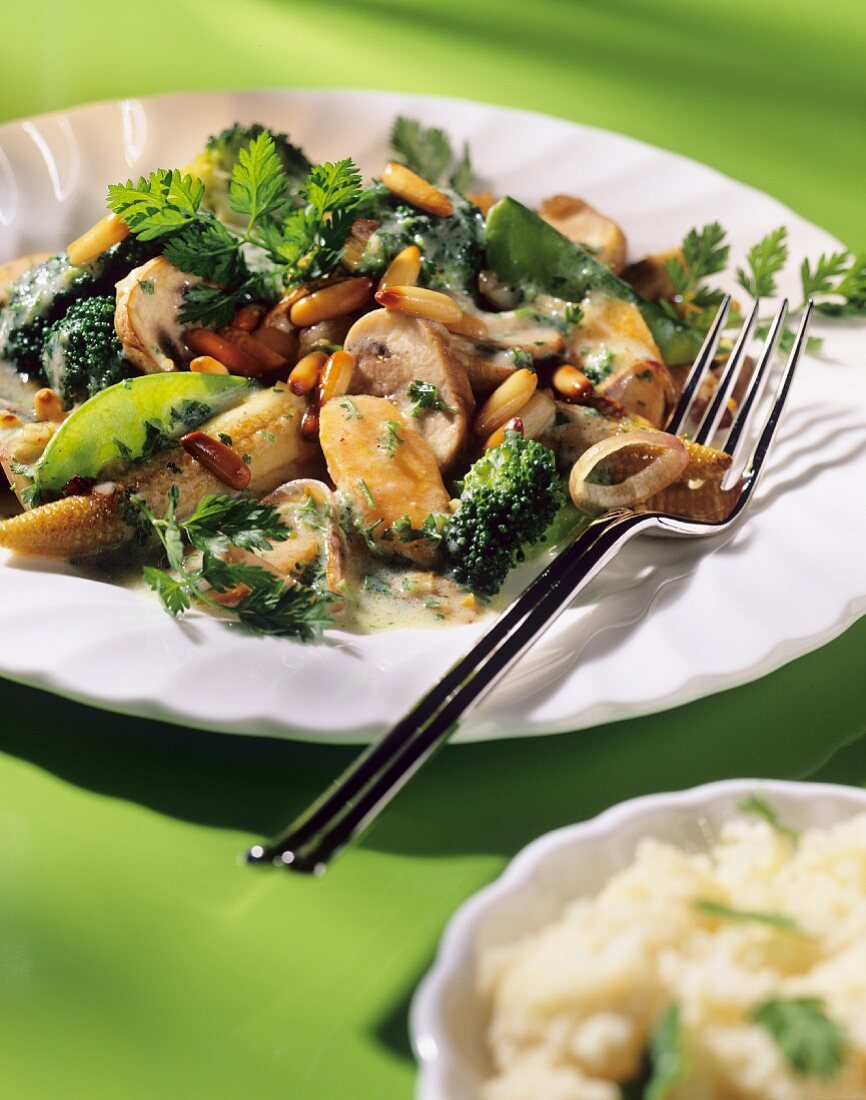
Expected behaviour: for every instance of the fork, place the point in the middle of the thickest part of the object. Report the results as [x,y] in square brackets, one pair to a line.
[348,808]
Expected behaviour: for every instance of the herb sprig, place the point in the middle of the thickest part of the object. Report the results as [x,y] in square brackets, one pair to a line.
[300,243]
[758,806]
[726,912]
[265,603]
[813,1044]
[425,397]
[427,151]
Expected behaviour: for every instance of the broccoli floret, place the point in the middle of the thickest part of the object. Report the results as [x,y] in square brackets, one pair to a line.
[82,354]
[214,164]
[508,500]
[44,292]
[451,247]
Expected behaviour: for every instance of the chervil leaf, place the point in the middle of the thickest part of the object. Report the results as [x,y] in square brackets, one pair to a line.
[210,305]
[175,594]
[241,521]
[704,251]
[259,185]
[463,174]
[827,269]
[851,287]
[765,260]
[333,186]
[812,1043]
[161,203]
[207,248]
[667,1055]
[426,150]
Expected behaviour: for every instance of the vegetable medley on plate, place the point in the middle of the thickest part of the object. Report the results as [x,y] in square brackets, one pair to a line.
[302,400]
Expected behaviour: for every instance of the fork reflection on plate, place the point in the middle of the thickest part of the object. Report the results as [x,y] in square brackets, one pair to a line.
[344,811]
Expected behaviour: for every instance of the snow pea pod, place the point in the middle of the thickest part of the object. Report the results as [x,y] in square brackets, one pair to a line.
[526,252]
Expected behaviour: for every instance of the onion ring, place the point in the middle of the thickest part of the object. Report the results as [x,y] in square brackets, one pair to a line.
[661,471]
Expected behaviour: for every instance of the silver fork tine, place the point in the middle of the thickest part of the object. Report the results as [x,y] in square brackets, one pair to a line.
[755,386]
[699,369]
[710,422]
[775,415]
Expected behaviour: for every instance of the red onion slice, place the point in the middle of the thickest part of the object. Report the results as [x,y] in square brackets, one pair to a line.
[658,474]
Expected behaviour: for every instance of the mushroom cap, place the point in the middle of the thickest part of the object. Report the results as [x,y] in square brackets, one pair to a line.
[391,350]
[147,315]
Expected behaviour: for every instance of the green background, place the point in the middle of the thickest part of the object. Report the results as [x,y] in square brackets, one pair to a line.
[138,958]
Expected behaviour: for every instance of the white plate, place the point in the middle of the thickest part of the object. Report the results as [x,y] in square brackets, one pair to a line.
[771,591]
[448,1017]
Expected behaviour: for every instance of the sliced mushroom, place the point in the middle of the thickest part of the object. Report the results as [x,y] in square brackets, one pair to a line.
[585,226]
[645,389]
[147,315]
[325,333]
[392,350]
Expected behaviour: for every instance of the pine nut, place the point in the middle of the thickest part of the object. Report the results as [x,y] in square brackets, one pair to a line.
[47,406]
[9,420]
[482,199]
[248,317]
[571,383]
[206,364]
[334,300]
[403,270]
[420,302]
[203,341]
[218,458]
[506,401]
[336,376]
[515,424]
[469,325]
[403,182]
[261,353]
[278,315]
[310,422]
[279,340]
[107,231]
[305,373]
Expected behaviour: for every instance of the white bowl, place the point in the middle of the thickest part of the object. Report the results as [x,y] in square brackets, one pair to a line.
[448,1017]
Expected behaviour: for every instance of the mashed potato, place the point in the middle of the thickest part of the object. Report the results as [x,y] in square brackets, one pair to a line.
[572,1007]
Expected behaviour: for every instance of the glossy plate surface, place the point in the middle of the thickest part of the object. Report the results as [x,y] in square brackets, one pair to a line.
[668,622]
[448,1016]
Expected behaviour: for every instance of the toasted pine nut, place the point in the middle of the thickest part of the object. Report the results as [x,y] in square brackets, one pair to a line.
[402,181]
[279,314]
[203,341]
[206,364]
[305,373]
[281,341]
[336,376]
[334,300]
[218,458]
[231,597]
[248,317]
[506,401]
[9,420]
[404,269]
[571,383]
[420,302]
[262,353]
[107,231]
[469,325]
[310,422]
[47,406]
[515,424]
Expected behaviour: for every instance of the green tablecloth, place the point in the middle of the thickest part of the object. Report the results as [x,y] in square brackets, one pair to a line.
[137,957]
